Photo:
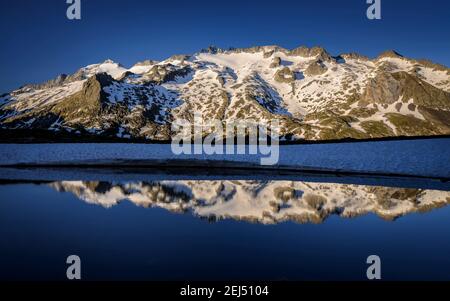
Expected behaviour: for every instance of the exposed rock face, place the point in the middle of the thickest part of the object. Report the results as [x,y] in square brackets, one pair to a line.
[354,56]
[317,52]
[276,62]
[387,88]
[212,50]
[179,57]
[89,101]
[316,68]
[390,54]
[433,66]
[421,92]
[146,63]
[439,118]
[285,75]
[58,81]
[164,73]
[268,54]
[382,89]
[125,75]
[314,95]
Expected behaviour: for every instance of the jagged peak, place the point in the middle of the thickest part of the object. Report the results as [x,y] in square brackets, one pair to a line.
[212,50]
[103,78]
[430,64]
[390,53]
[125,75]
[179,57]
[315,51]
[97,65]
[54,82]
[355,56]
[145,63]
[109,61]
[253,49]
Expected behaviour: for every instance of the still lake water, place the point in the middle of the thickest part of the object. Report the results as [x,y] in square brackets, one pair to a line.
[225,229]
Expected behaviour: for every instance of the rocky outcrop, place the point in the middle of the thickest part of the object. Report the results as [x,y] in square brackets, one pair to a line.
[285,75]
[315,68]
[354,56]
[125,75]
[389,54]
[276,62]
[146,63]
[56,82]
[382,89]
[421,92]
[164,73]
[317,52]
[88,102]
[388,88]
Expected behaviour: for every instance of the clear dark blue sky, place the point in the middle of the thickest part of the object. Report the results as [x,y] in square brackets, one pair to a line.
[38,42]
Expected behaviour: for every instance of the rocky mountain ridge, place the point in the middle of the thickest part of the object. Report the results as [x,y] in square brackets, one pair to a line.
[314,95]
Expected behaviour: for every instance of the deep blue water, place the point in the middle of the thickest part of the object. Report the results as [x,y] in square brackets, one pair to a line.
[40,227]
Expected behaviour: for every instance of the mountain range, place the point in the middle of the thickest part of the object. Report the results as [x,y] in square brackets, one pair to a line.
[314,95]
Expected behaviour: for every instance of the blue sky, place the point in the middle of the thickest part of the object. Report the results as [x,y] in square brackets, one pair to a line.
[38,42]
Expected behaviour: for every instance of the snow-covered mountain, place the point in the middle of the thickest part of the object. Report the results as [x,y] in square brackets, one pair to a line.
[315,96]
[265,202]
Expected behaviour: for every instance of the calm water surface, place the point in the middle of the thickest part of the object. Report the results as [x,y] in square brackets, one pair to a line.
[222,230]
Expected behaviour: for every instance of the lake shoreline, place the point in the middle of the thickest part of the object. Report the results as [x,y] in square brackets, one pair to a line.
[19,136]
[42,174]
[421,158]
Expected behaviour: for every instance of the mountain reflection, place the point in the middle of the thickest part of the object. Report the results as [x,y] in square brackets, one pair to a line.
[267,202]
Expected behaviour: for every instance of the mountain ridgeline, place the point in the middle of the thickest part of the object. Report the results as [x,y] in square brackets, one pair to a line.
[314,95]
